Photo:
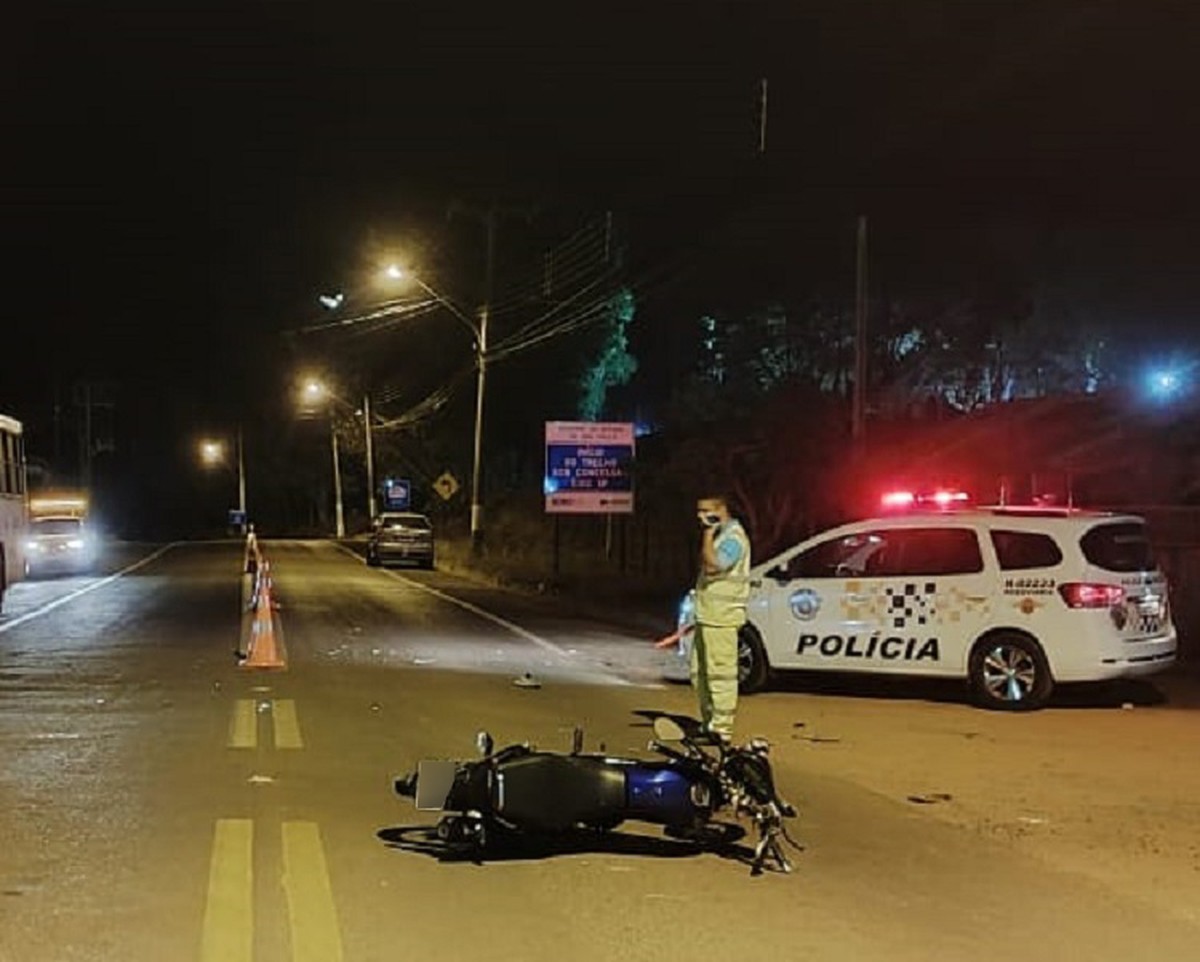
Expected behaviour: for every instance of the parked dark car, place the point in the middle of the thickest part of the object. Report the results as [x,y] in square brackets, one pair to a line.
[401,536]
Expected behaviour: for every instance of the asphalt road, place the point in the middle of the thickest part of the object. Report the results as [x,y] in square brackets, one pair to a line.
[158,802]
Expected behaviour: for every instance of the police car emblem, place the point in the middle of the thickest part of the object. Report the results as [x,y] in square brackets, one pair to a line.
[805,604]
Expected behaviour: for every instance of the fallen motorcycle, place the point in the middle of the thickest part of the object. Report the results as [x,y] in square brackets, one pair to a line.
[521,791]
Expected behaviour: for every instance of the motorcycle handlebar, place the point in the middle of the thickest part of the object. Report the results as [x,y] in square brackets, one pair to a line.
[668,751]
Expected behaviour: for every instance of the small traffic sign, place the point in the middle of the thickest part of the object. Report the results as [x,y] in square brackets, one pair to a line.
[446,485]
[397,494]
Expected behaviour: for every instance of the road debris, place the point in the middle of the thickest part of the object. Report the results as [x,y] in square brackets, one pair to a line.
[930,798]
[527,680]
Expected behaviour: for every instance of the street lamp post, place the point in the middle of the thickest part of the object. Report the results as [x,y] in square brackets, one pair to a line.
[241,479]
[370,458]
[337,477]
[477,463]
[316,391]
[212,453]
[479,333]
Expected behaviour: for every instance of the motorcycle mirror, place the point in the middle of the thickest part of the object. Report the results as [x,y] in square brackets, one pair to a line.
[667,730]
[483,741]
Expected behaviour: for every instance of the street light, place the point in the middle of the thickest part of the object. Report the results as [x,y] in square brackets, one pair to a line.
[212,454]
[479,332]
[315,392]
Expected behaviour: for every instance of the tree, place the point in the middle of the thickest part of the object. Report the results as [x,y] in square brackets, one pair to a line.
[613,365]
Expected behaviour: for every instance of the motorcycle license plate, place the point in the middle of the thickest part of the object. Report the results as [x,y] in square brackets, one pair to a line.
[434,780]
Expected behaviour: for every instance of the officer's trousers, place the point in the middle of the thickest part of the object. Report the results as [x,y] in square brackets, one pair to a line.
[714,675]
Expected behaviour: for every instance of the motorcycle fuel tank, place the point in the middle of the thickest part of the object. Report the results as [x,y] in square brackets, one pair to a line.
[554,792]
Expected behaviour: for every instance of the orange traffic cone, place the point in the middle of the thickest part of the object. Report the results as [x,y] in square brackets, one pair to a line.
[265,651]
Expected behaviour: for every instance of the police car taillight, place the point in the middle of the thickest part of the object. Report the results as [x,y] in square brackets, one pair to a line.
[1082,594]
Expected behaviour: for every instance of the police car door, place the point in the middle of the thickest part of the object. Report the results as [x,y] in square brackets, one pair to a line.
[928,595]
[817,612]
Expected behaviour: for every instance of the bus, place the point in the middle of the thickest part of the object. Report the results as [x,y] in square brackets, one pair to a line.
[13,505]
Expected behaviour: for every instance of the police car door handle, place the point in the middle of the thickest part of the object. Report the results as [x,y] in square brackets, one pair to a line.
[976,599]
[856,597]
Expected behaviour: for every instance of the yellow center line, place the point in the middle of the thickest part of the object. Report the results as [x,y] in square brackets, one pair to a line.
[228,934]
[287,725]
[243,728]
[313,916]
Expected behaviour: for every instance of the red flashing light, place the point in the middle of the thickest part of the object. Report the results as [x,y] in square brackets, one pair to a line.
[898,499]
[941,498]
[1081,594]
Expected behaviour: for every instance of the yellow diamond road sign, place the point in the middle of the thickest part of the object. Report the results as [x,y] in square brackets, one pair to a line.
[446,485]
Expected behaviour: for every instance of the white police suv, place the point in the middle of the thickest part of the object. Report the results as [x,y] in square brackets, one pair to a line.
[1014,600]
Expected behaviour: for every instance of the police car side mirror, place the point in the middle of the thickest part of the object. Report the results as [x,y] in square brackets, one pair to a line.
[779,574]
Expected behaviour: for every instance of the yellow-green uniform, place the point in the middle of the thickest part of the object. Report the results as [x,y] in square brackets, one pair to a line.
[720,612]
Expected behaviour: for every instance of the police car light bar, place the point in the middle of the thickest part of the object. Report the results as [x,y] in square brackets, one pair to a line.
[941,498]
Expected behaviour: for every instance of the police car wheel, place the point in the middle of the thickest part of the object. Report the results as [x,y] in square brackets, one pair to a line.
[1009,673]
[753,669]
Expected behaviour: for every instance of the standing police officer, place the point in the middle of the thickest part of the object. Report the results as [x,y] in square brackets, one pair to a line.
[722,588]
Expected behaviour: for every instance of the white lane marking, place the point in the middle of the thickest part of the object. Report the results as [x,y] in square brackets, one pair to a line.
[109,579]
[474,609]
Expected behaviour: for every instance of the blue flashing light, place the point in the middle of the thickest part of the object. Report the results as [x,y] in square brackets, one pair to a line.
[549,486]
[1165,384]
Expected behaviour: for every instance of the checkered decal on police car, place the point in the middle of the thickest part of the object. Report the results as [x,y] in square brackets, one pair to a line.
[910,605]
[912,601]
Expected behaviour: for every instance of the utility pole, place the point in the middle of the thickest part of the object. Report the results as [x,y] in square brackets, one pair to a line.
[489,216]
[339,518]
[241,467]
[481,380]
[370,458]
[762,116]
[85,466]
[859,403]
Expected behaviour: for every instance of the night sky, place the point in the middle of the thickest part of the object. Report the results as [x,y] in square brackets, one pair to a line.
[181,180]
